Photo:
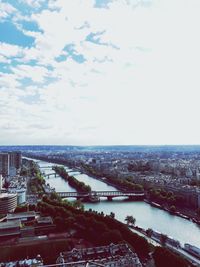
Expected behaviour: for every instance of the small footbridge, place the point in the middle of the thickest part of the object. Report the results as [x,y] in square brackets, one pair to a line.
[50,174]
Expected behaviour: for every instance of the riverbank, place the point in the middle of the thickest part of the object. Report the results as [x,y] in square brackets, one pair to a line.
[180,212]
[146,215]
[170,243]
[184,213]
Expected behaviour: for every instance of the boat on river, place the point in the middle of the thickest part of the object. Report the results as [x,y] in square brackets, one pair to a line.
[94,199]
[156,205]
[195,251]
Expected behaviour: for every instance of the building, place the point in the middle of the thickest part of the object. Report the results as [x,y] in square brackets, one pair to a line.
[4,164]
[21,195]
[15,162]
[10,229]
[22,216]
[118,255]
[27,262]
[10,162]
[8,202]
[15,159]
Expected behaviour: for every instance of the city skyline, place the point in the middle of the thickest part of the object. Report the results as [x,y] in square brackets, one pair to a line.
[99,72]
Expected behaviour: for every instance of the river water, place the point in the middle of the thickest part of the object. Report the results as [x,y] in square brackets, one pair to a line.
[146,216]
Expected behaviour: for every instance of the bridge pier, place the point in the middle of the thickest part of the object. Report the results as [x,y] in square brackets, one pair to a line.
[80,198]
[109,198]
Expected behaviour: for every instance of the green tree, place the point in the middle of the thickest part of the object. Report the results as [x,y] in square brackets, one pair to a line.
[78,204]
[112,215]
[111,236]
[166,258]
[149,232]
[172,209]
[130,220]
[163,239]
[198,212]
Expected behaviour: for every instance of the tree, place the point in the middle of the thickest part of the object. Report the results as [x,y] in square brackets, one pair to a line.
[149,232]
[130,220]
[78,204]
[172,209]
[198,212]
[23,208]
[163,239]
[112,215]
[55,196]
[111,236]
[32,207]
[165,258]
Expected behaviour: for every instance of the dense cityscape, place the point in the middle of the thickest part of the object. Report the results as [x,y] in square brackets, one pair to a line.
[33,211]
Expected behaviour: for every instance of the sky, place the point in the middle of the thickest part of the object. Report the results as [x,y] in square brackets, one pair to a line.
[99,72]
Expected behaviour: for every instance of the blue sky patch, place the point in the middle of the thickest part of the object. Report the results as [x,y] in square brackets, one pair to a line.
[26,9]
[10,34]
[5,68]
[61,58]
[102,3]
[30,26]
[79,58]
[94,37]
[26,81]
[30,99]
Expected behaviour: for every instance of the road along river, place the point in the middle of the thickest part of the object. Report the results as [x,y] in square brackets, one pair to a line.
[146,216]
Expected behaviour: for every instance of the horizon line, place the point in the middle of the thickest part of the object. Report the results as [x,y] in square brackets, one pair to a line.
[108,145]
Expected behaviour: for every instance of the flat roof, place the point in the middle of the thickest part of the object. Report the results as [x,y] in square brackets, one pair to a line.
[20,215]
[46,219]
[7,225]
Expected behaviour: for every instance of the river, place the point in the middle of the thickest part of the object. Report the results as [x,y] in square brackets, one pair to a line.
[146,216]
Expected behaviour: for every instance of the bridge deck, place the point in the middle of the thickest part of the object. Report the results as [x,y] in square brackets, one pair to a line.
[50,174]
[100,194]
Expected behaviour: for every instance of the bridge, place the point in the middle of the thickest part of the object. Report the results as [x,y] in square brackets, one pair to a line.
[96,195]
[50,174]
[46,167]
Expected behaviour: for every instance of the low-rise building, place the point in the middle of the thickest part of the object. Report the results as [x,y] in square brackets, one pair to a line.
[22,216]
[10,229]
[37,261]
[117,255]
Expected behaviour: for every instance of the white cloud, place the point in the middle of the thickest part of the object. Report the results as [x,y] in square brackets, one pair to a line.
[3,59]
[36,73]
[140,85]
[6,10]
[10,51]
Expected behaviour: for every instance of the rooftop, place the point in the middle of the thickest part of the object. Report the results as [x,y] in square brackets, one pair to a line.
[9,225]
[118,255]
[6,195]
[19,215]
[45,220]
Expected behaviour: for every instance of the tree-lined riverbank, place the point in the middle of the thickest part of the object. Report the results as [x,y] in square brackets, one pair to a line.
[146,216]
